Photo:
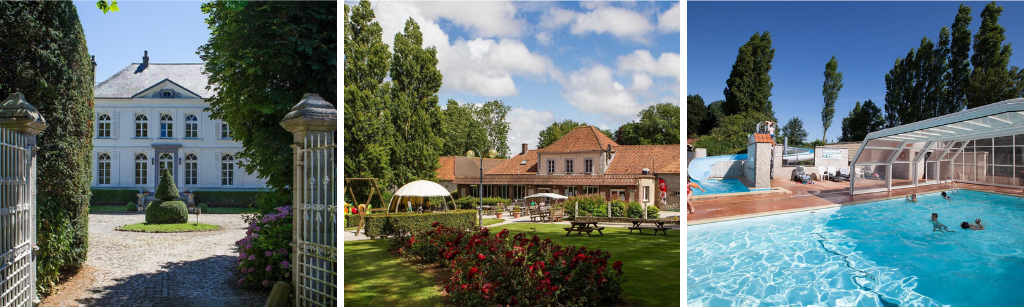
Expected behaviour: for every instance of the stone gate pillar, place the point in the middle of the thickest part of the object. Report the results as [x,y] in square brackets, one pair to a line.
[17,115]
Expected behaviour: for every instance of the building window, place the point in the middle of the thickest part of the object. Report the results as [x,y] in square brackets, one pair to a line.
[141,126]
[551,166]
[570,191]
[227,170]
[474,190]
[103,169]
[518,191]
[568,166]
[618,194]
[589,189]
[647,193]
[501,191]
[166,126]
[225,131]
[191,170]
[588,166]
[141,169]
[166,163]
[191,127]
[103,126]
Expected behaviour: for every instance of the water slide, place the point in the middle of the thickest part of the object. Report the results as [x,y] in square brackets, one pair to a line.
[700,168]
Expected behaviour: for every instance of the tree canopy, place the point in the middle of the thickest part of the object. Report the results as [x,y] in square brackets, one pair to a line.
[697,114]
[469,126]
[863,119]
[262,57]
[658,125]
[556,130]
[794,131]
[991,80]
[749,87]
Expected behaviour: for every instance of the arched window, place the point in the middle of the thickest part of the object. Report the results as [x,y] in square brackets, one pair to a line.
[141,126]
[166,126]
[166,162]
[103,126]
[103,169]
[141,169]
[191,127]
[191,169]
[227,170]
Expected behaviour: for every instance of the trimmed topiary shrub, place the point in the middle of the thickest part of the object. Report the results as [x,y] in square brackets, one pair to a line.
[380,225]
[634,210]
[652,212]
[112,197]
[167,210]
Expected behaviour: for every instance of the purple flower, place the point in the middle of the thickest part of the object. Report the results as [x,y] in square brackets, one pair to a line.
[252,257]
[241,280]
[282,251]
[252,270]
[266,283]
[285,264]
[257,228]
[243,255]
[269,253]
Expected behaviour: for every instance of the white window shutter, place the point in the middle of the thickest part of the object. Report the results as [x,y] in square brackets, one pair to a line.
[95,168]
[219,127]
[96,124]
[114,166]
[113,124]
[217,167]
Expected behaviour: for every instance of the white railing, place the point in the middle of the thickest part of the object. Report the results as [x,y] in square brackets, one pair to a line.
[315,273]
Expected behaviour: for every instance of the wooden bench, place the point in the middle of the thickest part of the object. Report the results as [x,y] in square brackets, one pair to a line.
[656,229]
[579,231]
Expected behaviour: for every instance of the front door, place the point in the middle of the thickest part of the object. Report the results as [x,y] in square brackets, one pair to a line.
[165,161]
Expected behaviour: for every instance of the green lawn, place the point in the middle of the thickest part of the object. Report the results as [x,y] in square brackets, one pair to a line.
[184,227]
[98,209]
[650,266]
[489,222]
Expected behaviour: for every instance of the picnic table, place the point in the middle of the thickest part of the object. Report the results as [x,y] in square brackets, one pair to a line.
[659,226]
[580,227]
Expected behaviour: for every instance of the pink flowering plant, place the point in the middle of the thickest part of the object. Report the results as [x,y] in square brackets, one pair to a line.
[498,270]
[264,254]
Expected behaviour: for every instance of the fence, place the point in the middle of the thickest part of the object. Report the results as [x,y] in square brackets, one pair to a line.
[19,125]
[315,274]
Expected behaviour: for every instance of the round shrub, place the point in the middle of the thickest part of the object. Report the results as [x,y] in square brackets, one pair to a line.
[653,212]
[635,210]
[204,207]
[132,207]
[167,212]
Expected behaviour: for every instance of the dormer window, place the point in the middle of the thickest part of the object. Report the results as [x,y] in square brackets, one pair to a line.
[167,93]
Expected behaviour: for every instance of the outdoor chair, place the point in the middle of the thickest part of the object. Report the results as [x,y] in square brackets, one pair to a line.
[831,171]
[822,174]
[800,176]
[843,174]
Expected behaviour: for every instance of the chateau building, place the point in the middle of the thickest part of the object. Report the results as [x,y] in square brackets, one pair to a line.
[584,161]
[150,117]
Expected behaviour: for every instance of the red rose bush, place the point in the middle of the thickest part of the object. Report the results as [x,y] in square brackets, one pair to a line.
[496,270]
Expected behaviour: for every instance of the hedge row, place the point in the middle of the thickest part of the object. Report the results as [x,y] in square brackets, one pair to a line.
[380,225]
[227,198]
[595,205]
[113,197]
[470,202]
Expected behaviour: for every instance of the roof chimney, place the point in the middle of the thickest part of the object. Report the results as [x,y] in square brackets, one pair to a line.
[526,148]
[145,62]
[94,69]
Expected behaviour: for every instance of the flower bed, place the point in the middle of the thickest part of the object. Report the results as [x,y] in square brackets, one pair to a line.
[264,253]
[495,270]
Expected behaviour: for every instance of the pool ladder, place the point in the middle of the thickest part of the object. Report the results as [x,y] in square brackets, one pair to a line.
[952,186]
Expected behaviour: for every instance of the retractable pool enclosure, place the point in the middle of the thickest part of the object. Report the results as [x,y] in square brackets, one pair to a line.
[983,145]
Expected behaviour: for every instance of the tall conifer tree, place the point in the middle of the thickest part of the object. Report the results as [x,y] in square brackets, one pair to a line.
[749,87]
[830,91]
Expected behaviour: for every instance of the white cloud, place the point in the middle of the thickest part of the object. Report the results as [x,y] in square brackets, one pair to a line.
[544,38]
[641,82]
[479,66]
[594,90]
[620,22]
[668,21]
[487,19]
[667,64]
[525,126]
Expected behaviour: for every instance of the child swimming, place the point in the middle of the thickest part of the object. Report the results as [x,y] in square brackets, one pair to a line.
[938,226]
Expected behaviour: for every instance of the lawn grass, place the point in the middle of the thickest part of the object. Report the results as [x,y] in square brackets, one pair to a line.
[650,267]
[101,209]
[374,277]
[488,222]
[229,210]
[183,227]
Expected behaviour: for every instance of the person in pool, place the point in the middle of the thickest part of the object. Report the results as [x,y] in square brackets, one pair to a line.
[976,226]
[944,196]
[689,193]
[938,226]
[913,198]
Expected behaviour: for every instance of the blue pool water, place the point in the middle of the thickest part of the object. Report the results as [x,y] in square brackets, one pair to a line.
[716,186]
[876,254]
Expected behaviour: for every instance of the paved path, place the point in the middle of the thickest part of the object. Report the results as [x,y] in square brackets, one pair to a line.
[170,269]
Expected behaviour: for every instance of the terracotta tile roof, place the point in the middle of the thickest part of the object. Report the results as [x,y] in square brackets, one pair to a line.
[515,165]
[560,180]
[447,170]
[671,168]
[582,138]
[763,138]
[453,166]
[632,159]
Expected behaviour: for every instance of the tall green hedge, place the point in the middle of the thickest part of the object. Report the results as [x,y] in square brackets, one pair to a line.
[227,198]
[112,197]
[43,55]
[380,225]
[469,202]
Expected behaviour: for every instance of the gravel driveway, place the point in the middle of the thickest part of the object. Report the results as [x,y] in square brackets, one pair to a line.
[168,269]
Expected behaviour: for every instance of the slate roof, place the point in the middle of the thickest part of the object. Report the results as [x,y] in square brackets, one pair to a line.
[632,159]
[582,138]
[128,82]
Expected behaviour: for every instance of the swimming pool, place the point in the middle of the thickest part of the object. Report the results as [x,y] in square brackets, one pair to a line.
[719,186]
[875,254]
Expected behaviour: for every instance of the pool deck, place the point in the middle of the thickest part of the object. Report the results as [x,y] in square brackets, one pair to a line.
[823,194]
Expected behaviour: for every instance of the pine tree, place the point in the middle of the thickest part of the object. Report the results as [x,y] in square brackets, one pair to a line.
[749,87]
[696,115]
[793,131]
[830,91]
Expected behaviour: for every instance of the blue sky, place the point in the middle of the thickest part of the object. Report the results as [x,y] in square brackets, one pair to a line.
[865,37]
[171,31]
[594,62]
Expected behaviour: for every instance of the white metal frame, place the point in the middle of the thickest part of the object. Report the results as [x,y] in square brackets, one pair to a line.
[17,220]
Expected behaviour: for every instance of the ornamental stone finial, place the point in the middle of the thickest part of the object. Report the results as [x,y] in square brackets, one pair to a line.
[312,113]
[16,114]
